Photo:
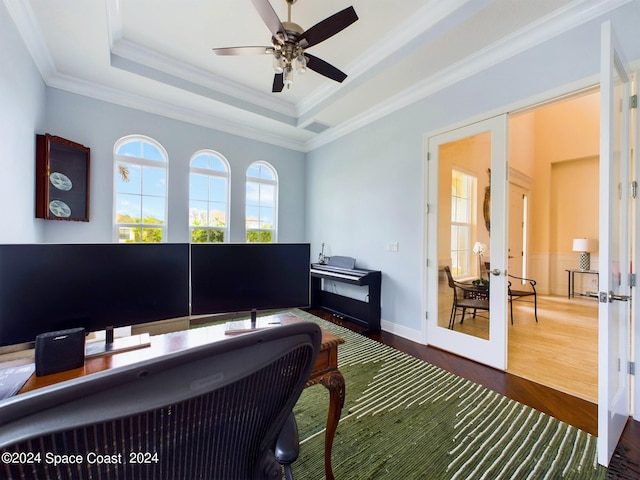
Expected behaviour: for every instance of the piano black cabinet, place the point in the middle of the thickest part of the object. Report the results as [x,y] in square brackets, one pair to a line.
[358,311]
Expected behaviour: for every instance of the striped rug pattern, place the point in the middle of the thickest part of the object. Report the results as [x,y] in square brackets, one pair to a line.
[406,419]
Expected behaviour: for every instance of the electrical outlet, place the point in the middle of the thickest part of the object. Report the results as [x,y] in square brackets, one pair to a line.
[392,247]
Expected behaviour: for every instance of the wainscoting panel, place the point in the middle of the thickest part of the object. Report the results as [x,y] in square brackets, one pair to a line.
[539,271]
[549,271]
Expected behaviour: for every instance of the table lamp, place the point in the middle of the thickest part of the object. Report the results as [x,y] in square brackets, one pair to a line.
[584,246]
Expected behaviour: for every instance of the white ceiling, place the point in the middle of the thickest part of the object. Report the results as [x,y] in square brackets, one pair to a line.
[157,56]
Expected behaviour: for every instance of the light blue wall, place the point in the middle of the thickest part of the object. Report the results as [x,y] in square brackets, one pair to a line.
[357,194]
[22,98]
[99,125]
[367,188]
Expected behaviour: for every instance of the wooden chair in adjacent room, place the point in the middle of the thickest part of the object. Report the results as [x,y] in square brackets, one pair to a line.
[525,287]
[465,297]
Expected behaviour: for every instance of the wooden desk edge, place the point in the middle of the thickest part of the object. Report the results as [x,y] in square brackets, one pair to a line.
[325,371]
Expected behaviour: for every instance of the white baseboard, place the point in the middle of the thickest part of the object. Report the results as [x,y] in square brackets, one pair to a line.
[404,332]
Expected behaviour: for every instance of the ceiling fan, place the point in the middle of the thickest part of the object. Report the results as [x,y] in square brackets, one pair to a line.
[290,41]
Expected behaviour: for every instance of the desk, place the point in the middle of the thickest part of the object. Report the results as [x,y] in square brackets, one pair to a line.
[572,280]
[325,370]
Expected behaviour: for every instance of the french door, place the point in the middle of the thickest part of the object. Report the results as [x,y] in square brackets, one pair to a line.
[614,262]
[467,181]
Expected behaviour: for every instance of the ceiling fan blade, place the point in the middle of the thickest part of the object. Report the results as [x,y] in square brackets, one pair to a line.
[323,68]
[270,18]
[278,83]
[243,50]
[328,27]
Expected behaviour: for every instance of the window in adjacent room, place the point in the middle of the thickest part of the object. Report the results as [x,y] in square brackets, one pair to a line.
[462,208]
[209,198]
[140,190]
[261,203]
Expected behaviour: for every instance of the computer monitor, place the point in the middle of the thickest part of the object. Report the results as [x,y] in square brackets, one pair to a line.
[240,277]
[49,287]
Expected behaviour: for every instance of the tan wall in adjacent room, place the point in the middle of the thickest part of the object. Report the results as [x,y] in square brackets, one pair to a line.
[563,142]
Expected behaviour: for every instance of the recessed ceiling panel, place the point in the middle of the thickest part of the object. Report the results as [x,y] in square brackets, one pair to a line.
[157,55]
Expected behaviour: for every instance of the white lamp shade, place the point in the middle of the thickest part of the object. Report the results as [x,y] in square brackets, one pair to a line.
[584,245]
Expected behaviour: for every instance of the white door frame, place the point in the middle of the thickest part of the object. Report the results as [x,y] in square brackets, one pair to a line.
[635,258]
[614,262]
[585,84]
[491,352]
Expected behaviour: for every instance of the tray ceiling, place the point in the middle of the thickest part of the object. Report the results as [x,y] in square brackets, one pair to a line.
[157,56]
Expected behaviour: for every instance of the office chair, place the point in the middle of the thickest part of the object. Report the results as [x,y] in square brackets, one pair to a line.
[209,412]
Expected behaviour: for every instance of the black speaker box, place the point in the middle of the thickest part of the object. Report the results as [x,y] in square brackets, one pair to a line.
[59,351]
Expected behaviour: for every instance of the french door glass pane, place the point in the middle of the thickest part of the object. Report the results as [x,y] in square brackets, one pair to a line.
[462,164]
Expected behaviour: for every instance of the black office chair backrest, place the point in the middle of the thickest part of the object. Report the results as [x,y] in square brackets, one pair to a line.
[209,412]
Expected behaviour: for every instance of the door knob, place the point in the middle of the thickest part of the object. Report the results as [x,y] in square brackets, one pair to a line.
[495,272]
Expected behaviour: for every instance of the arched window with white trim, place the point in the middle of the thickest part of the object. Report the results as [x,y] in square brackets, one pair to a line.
[140,190]
[261,208]
[209,197]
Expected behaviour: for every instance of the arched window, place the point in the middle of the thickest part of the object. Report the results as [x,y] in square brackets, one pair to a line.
[209,197]
[140,190]
[261,203]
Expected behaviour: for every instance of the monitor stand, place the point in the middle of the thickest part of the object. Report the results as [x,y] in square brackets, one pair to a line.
[116,345]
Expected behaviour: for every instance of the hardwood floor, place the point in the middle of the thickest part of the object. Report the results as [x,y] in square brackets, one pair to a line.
[561,350]
[575,411]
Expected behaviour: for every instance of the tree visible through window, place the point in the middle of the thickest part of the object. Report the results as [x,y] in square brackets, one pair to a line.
[462,208]
[208,197]
[261,208]
[140,190]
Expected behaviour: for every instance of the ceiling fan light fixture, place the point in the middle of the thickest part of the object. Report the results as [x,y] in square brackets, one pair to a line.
[301,64]
[288,76]
[278,63]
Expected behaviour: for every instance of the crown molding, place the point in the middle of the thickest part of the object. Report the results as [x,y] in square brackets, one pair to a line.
[572,15]
[546,28]
[25,21]
[176,112]
[391,48]
[395,46]
[142,61]
[115,23]
[194,79]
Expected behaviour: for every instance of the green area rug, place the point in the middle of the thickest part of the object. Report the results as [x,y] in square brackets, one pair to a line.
[407,419]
